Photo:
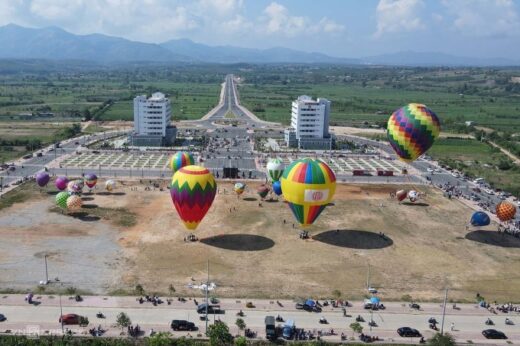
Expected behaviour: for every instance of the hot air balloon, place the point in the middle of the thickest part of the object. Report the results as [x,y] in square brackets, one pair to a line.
[61,199]
[277,188]
[413,196]
[479,219]
[412,130]
[74,202]
[308,186]
[505,211]
[179,160]
[262,191]
[239,188]
[80,183]
[275,169]
[73,187]
[42,178]
[61,183]
[90,180]
[193,190]
[401,195]
[110,185]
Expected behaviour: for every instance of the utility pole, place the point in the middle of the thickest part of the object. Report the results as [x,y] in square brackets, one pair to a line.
[444,310]
[46,270]
[61,313]
[207,301]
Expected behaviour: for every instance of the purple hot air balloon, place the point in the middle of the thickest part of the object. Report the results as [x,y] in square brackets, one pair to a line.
[61,183]
[42,178]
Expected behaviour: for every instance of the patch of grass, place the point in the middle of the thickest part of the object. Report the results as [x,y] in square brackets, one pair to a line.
[230,115]
[20,194]
[118,216]
[462,150]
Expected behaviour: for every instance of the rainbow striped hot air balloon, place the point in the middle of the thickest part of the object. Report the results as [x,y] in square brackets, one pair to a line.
[412,130]
[179,160]
[308,186]
[193,190]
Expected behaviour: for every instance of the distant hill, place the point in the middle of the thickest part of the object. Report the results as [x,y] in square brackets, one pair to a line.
[56,44]
[231,54]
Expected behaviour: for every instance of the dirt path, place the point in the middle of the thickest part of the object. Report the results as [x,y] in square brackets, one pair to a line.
[509,154]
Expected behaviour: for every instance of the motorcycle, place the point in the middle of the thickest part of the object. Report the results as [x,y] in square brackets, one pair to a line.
[509,322]
[323,320]
[240,313]
[360,319]
[100,315]
[279,318]
[489,322]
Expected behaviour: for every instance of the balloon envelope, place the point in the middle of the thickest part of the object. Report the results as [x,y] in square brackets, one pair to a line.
[401,195]
[275,169]
[505,211]
[61,199]
[411,130]
[179,160]
[73,187]
[90,180]
[479,218]
[110,185]
[42,178]
[239,188]
[308,186]
[277,188]
[74,202]
[413,195]
[262,190]
[61,183]
[192,190]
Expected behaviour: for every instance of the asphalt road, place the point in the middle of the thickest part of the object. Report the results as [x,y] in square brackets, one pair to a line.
[468,320]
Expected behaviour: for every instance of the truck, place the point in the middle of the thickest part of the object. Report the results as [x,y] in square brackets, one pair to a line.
[270,328]
[358,172]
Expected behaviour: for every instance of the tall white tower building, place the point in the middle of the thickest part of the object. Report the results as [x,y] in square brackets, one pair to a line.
[309,124]
[151,120]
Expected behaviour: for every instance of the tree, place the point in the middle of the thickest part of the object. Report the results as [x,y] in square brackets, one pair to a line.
[241,341]
[336,294]
[356,327]
[240,324]
[123,320]
[159,339]
[441,340]
[139,289]
[218,334]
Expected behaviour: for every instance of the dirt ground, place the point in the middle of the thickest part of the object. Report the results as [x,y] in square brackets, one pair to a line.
[253,253]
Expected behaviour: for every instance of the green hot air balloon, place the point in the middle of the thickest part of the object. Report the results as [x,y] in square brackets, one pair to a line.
[61,199]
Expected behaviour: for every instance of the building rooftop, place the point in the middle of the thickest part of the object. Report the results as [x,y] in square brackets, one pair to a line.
[157,97]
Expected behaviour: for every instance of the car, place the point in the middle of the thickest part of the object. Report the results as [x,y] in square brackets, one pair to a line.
[408,332]
[183,325]
[212,309]
[2,318]
[69,319]
[39,154]
[493,334]
[429,170]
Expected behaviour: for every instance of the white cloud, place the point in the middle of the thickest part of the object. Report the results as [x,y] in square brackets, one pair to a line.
[398,15]
[278,20]
[484,18]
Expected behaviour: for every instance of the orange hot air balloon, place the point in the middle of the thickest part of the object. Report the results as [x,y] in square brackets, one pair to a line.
[505,211]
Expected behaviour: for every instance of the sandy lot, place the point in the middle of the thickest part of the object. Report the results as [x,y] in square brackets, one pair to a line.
[253,253]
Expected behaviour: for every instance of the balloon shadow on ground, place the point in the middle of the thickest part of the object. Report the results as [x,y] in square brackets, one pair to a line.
[239,242]
[105,193]
[54,192]
[87,198]
[416,204]
[250,199]
[271,201]
[494,238]
[84,216]
[354,239]
[89,206]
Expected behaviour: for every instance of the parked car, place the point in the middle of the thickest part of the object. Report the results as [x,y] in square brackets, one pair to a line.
[408,332]
[69,319]
[2,318]
[212,309]
[183,325]
[493,334]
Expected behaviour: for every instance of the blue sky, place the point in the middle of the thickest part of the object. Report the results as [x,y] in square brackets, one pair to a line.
[348,28]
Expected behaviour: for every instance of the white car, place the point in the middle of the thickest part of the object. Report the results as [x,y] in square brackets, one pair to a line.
[454,174]
[429,170]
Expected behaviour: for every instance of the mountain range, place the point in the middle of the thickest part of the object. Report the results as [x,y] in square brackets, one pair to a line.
[53,43]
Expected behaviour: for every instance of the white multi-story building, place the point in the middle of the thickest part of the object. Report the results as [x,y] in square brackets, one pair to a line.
[309,124]
[152,120]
